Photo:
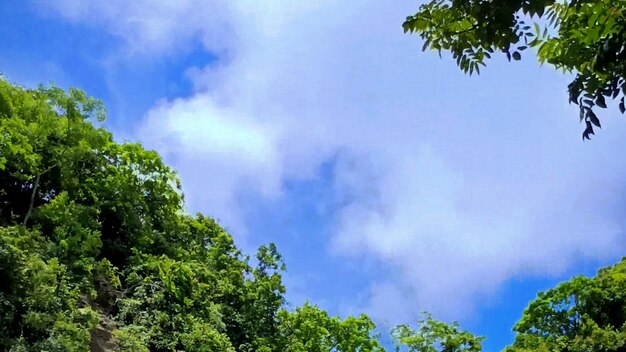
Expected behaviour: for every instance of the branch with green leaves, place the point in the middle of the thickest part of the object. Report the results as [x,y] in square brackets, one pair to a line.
[587,38]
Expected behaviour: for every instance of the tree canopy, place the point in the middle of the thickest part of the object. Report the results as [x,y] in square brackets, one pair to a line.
[586,37]
[433,336]
[583,314]
[580,315]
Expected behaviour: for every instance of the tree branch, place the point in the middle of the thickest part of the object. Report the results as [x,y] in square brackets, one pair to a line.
[464,31]
[34,192]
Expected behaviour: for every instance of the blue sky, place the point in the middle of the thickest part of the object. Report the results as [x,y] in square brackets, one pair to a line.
[391,182]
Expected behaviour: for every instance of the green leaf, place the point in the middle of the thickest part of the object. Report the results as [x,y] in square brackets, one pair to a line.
[593,118]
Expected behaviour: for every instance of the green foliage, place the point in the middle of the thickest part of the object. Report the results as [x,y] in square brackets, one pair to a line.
[131,338]
[586,37]
[584,314]
[95,248]
[39,303]
[433,336]
[309,329]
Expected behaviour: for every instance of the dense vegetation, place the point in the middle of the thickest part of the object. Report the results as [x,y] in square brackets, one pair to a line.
[95,248]
[97,254]
[585,37]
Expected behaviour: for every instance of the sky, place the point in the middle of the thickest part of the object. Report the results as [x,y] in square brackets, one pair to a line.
[391,182]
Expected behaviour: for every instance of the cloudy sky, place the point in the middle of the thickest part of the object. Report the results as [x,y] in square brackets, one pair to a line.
[391,182]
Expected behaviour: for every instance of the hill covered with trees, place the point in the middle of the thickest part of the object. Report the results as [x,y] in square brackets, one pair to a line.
[96,253]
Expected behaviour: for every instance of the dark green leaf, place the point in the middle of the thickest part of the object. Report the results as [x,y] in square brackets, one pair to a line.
[600,101]
[593,118]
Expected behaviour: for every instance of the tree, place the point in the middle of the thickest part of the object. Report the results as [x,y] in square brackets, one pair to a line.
[89,227]
[434,336]
[587,37]
[310,329]
[580,315]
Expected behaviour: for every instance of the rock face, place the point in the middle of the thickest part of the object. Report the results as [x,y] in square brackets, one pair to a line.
[101,336]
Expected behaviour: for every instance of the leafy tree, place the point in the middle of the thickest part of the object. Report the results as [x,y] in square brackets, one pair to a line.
[434,336]
[581,315]
[587,37]
[309,329]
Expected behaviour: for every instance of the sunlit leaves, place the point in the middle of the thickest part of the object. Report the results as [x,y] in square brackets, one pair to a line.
[436,336]
[583,314]
[310,329]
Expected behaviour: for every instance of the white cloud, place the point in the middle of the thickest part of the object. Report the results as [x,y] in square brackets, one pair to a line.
[151,27]
[216,151]
[455,184]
